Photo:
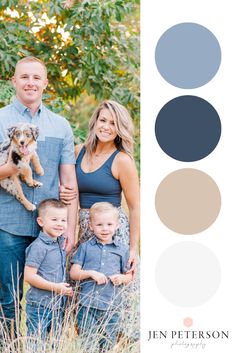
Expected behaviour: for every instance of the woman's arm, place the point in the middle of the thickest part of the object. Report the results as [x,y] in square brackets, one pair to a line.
[126,172]
[68,177]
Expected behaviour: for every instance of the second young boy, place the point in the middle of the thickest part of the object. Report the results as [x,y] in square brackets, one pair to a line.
[100,264]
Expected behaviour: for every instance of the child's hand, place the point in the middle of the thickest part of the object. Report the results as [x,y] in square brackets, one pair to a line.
[116,279]
[64,289]
[99,277]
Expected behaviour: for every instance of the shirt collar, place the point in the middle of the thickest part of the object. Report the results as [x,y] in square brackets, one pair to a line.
[48,240]
[22,108]
[94,241]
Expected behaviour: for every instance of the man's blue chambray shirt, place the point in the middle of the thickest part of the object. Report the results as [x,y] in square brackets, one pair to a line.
[54,146]
[109,259]
[49,257]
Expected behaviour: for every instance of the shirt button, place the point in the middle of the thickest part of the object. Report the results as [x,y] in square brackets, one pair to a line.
[104,250]
[97,292]
[102,264]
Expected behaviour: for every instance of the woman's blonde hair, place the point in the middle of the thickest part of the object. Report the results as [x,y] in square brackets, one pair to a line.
[123,124]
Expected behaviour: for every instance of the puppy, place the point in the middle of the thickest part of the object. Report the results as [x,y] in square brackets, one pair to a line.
[21,149]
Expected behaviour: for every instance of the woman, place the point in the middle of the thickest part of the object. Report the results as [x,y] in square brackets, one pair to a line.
[105,168]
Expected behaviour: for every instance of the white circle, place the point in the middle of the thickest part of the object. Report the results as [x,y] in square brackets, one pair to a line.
[188,274]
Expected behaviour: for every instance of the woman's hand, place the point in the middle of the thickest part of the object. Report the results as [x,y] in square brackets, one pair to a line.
[67,194]
[132,262]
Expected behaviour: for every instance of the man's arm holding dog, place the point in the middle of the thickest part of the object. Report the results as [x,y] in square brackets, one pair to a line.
[8,169]
[68,177]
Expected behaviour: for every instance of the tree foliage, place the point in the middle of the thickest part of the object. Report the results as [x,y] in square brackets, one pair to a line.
[91,49]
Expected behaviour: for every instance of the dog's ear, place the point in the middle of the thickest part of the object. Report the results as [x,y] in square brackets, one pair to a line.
[35,132]
[10,131]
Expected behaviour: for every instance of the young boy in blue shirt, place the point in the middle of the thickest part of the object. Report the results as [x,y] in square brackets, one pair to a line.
[45,271]
[100,264]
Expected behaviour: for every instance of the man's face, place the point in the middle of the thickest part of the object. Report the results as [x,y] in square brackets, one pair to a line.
[29,81]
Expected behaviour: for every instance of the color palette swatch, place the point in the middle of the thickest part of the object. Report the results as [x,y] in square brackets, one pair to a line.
[186,249]
[188,55]
[188,128]
[195,263]
[188,201]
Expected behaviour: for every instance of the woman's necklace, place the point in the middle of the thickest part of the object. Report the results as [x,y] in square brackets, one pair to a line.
[101,154]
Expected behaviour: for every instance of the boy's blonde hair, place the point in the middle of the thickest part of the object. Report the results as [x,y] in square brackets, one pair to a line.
[48,203]
[101,207]
[31,59]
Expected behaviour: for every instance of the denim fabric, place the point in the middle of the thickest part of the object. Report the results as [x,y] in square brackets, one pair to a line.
[108,259]
[12,258]
[40,321]
[99,328]
[49,257]
[55,147]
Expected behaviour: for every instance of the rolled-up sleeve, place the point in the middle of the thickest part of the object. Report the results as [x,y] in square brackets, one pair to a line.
[68,155]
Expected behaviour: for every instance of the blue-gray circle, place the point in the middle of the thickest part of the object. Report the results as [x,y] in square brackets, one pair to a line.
[188,128]
[188,55]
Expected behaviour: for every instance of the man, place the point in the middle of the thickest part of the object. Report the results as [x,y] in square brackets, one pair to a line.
[18,227]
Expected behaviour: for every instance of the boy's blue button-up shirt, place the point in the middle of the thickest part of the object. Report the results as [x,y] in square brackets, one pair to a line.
[109,259]
[55,146]
[49,258]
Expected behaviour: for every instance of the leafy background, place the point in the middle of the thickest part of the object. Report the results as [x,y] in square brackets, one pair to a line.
[91,49]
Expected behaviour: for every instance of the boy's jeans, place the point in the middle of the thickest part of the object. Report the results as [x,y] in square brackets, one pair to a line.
[42,320]
[12,260]
[98,328]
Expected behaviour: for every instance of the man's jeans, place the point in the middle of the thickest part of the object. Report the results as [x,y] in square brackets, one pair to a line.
[12,260]
[99,328]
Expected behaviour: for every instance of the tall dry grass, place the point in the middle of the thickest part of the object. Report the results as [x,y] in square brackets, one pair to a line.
[68,340]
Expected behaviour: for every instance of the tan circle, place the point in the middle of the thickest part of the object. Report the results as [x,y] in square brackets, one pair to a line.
[188,201]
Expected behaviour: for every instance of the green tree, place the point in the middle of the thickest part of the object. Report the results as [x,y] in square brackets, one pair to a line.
[91,49]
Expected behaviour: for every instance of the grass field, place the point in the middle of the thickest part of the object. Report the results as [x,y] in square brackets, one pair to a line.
[69,341]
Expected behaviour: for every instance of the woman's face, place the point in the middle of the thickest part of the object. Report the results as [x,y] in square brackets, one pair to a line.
[105,126]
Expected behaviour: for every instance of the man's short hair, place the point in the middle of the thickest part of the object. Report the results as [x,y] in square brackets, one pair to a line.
[102,207]
[31,59]
[48,203]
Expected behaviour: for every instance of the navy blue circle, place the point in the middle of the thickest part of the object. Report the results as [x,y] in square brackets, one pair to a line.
[188,128]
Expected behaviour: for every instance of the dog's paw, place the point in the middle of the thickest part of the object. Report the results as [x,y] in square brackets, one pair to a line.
[30,207]
[40,172]
[37,184]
